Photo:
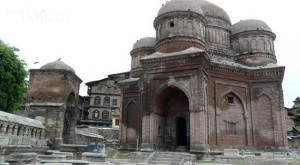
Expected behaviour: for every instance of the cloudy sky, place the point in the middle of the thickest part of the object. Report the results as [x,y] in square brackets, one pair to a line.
[95,36]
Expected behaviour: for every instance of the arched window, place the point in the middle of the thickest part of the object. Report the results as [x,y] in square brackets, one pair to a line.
[172,24]
[105,115]
[95,114]
[106,101]
[97,100]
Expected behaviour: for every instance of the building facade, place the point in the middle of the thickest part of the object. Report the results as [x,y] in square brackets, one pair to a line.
[203,84]
[103,102]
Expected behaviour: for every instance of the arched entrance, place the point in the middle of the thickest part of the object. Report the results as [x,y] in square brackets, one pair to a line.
[173,116]
[70,119]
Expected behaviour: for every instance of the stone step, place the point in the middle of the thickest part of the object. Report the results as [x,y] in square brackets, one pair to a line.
[164,162]
[170,158]
[166,159]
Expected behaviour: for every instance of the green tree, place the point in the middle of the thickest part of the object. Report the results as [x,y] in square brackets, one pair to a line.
[296,117]
[12,79]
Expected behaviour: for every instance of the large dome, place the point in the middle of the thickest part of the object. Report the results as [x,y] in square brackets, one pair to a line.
[59,65]
[147,42]
[180,5]
[249,25]
[212,10]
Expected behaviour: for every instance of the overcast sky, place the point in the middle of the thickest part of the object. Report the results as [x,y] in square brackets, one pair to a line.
[95,36]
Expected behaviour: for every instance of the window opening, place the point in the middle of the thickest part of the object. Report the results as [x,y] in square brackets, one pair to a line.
[230,99]
[105,115]
[172,24]
[231,129]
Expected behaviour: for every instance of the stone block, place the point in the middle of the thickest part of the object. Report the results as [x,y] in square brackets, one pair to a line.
[76,162]
[23,158]
[52,157]
[94,157]
[231,152]
[57,163]
[96,148]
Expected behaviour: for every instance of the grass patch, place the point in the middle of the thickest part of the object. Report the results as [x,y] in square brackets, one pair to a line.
[118,154]
[111,153]
[122,155]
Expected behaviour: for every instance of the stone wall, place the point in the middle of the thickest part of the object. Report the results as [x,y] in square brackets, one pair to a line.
[20,134]
[53,114]
[87,135]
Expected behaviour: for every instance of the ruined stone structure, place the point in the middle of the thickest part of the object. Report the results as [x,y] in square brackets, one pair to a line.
[203,84]
[53,94]
[103,102]
[20,134]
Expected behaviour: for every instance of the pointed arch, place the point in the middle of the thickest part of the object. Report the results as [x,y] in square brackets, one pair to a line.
[253,45]
[260,43]
[264,121]
[237,47]
[132,121]
[235,94]
[174,85]
[230,128]
[70,118]
[245,46]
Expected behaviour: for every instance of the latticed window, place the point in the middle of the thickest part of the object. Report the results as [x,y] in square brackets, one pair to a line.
[106,101]
[97,100]
[231,129]
[114,102]
[105,115]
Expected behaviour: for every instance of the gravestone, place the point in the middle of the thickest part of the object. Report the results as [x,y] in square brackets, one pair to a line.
[23,158]
[96,152]
[96,147]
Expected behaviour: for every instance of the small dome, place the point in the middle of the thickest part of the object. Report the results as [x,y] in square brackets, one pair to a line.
[249,25]
[180,5]
[148,42]
[57,65]
[212,10]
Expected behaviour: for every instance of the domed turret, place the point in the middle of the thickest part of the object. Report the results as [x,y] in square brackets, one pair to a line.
[253,40]
[141,49]
[218,25]
[180,24]
[57,65]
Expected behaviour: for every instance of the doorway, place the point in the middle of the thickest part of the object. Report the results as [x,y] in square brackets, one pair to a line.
[181,132]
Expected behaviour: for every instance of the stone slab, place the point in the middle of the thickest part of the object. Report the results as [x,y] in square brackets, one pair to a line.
[231,152]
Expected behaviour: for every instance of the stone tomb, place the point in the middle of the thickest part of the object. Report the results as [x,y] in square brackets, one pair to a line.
[96,152]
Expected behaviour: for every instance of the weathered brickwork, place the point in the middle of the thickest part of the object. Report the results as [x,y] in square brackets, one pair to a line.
[53,94]
[207,84]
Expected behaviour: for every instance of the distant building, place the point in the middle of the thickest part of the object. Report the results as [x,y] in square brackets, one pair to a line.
[102,106]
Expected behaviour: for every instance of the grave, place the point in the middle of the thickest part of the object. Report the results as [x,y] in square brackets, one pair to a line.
[23,158]
[96,152]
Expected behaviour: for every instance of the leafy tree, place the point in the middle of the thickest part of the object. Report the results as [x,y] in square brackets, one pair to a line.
[12,79]
[296,117]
